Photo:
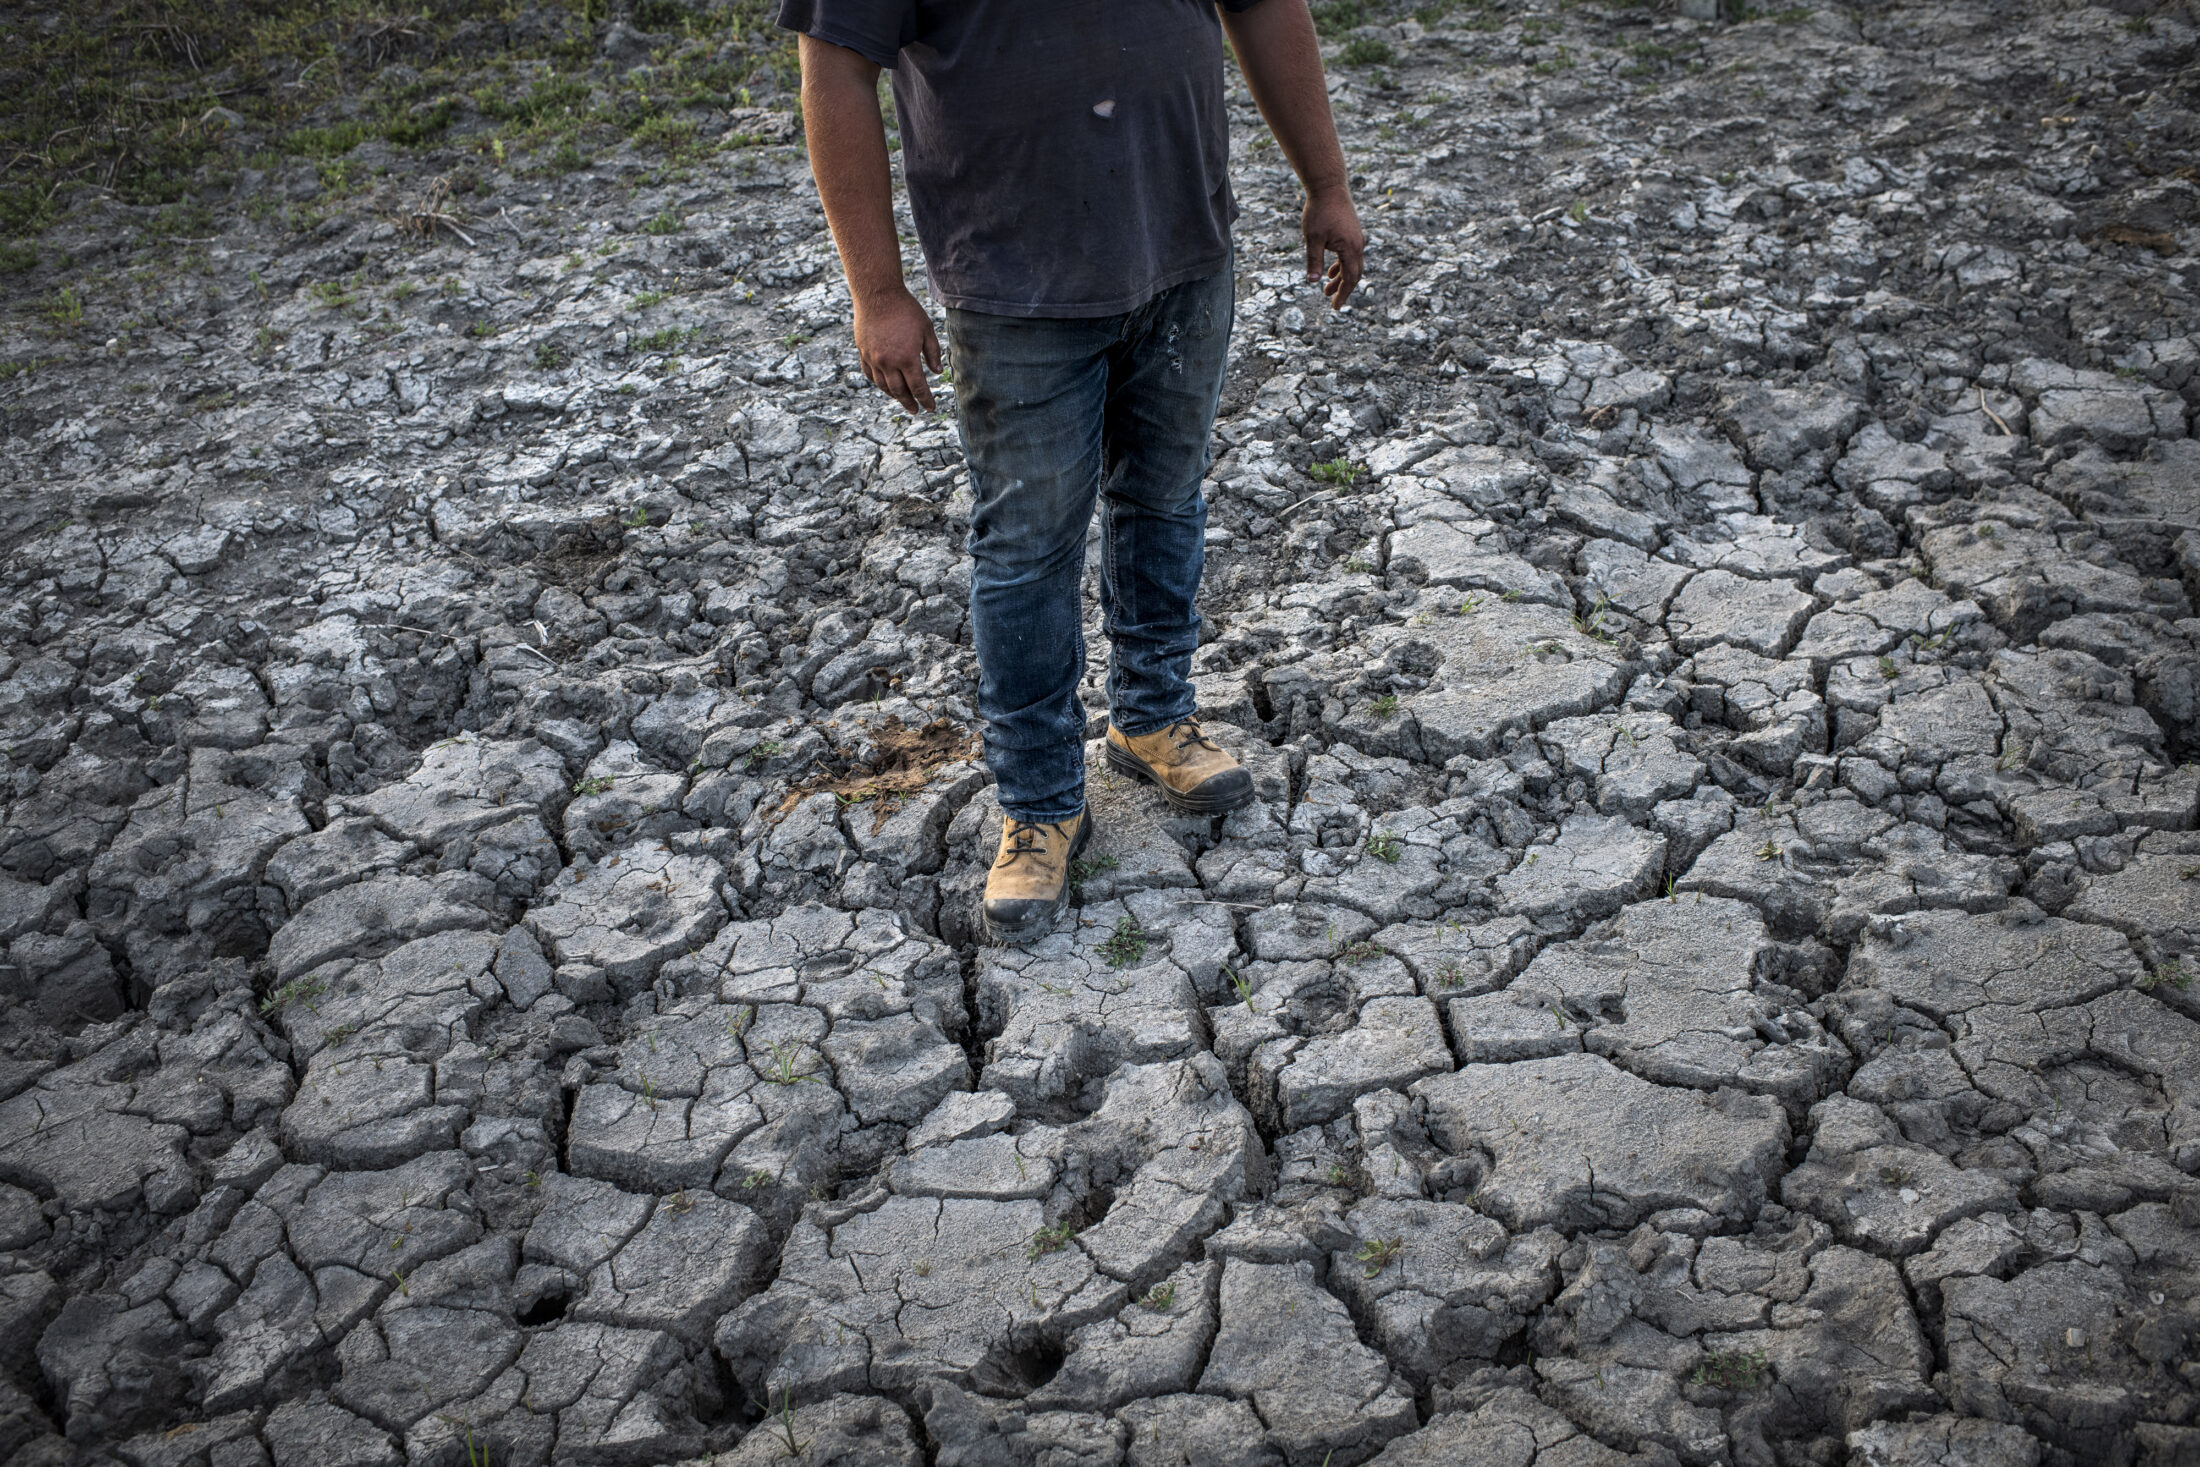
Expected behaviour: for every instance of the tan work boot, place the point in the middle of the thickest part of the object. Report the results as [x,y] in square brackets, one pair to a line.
[1028,886]
[1194,773]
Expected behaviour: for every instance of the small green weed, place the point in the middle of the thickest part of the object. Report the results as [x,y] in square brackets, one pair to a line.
[783,1424]
[1366,51]
[1386,847]
[297,990]
[1377,1254]
[1733,1370]
[550,356]
[1050,1239]
[1337,471]
[1126,945]
[1084,868]
[2168,974]
[1384,706]
[665,221]
[784,1066]
[1161,1298]
[1352,954]
[64,308]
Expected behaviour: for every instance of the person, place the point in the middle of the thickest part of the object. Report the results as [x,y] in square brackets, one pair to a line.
[1067,163]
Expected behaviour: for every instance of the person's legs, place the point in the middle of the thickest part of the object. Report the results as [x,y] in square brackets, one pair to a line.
[1164,381]
[1030,395]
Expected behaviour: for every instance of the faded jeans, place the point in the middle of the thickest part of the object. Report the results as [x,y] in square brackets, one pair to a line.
[1054,414]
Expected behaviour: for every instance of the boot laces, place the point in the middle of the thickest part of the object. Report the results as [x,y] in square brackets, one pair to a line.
[1026,840]
[1188,736]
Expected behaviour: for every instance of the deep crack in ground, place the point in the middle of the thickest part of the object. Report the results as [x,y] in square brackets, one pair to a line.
[488,897]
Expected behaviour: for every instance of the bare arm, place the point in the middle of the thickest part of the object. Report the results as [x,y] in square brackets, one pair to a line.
[1282,61]
[894,336]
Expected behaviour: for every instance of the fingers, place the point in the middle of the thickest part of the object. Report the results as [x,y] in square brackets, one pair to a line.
[1344,275]
[903,382]
[1315,245]
[895,384]
[919,390]
[895,347]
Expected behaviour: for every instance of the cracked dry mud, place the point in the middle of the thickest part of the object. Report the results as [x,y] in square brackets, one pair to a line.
[490,845]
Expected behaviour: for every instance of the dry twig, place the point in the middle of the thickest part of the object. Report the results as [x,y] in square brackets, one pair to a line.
[431,214]
[1982,407]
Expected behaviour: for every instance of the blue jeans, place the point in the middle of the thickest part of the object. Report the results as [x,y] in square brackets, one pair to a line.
[1055,413]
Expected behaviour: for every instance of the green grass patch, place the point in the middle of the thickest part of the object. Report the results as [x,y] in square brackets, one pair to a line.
[1335,17]
[1734,1370]
[1367,51]
[153,103]
[64,309]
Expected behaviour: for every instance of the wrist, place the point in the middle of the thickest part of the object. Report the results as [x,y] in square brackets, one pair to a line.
[879,295]
[1328,188]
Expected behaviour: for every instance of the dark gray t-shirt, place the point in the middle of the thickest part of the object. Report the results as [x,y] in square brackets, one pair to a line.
[1063,157]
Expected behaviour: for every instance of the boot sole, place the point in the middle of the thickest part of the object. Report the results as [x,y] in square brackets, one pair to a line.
[1007,933]
[1123,761]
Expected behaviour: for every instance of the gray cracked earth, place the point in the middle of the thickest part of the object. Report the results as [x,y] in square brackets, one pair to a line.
[490,845]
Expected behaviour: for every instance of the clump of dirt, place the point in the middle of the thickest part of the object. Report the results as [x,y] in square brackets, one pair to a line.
[902,763]
[2131,234]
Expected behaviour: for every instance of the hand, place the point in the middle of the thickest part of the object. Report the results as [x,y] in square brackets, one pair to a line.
[897,346]
[1332,227]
